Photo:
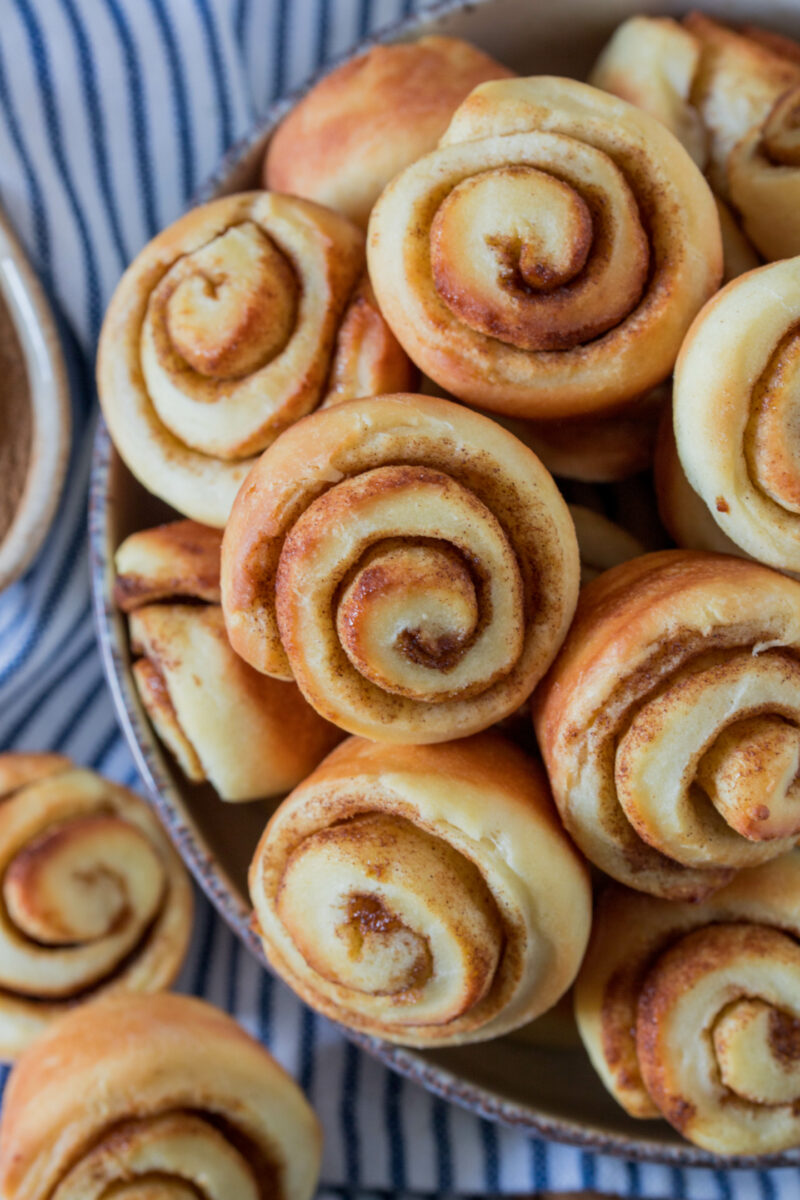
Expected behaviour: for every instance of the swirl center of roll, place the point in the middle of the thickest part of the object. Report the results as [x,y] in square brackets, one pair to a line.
[165,1157]
[415,602]
[772,437]
[708,769]
[750,775]
[539,261]
[82,880]
[430,600]
[781,133]
[381,908]
[226,310]
[757,1047]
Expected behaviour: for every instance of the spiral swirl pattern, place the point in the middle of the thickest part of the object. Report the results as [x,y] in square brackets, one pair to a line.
[93,899]
[739,79]
[764,179]
[165,1122]
[425,894]
[415,580]
[670,722]
[225,330]
[722,977]
[548,258]
[735,412]
[222,721]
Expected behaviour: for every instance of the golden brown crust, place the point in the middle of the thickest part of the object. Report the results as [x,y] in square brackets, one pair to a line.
[776,43]
[367,120]
[180,558]
[537,322]
[228,1119]
[17,770]
[602,544]
[656,974]
[251,736]
[737,82]
[431,478]
[733,412]
[368,359]
[221,333]
[95,898]
[448,904]
[667,653]
[719,91]
[598,449]
[764,178]
[683,513]
[652,62]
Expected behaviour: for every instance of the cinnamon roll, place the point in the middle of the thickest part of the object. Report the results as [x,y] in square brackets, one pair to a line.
[734,413]
[174,1100]
[416,579]
[764,178]
[547,259]
[684,515]
[670,721]
[738,255]
[732,99]
[737,84]
[367,120]
[94,899]
[652,62]
[426,894]
[692,1011]
[603,449]
[223,331]
[250,736]
[601,543]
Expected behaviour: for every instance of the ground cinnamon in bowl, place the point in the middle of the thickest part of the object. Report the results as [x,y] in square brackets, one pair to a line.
[16,423]
[35,425]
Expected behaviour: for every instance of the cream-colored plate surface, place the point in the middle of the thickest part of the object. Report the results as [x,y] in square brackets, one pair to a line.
[540,1082]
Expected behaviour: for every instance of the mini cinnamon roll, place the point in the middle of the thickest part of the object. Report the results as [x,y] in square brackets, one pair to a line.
[692,1011]
[424,894]
[735,413]
[603,449]
[415,580]
[738,255]
[223,331]
[764,178]
[94,899]
[724,96]
[367,120]
[547,259]
[670,721]
[652,62]
[250,736]
[737,83]
[154,1096]
[684,515]
[601,543]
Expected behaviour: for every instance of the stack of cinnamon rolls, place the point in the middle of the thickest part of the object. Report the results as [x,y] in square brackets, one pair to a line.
[527,749]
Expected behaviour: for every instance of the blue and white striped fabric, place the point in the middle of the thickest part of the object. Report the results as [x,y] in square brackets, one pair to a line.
[111,114]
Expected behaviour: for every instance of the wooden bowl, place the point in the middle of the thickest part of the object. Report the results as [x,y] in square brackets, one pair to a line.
[34,411]
[540,1079]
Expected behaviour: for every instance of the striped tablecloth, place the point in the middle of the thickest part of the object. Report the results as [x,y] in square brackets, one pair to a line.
[112,112]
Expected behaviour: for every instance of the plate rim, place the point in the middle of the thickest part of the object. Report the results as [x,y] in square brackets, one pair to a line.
[34,322]
[482,1100]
